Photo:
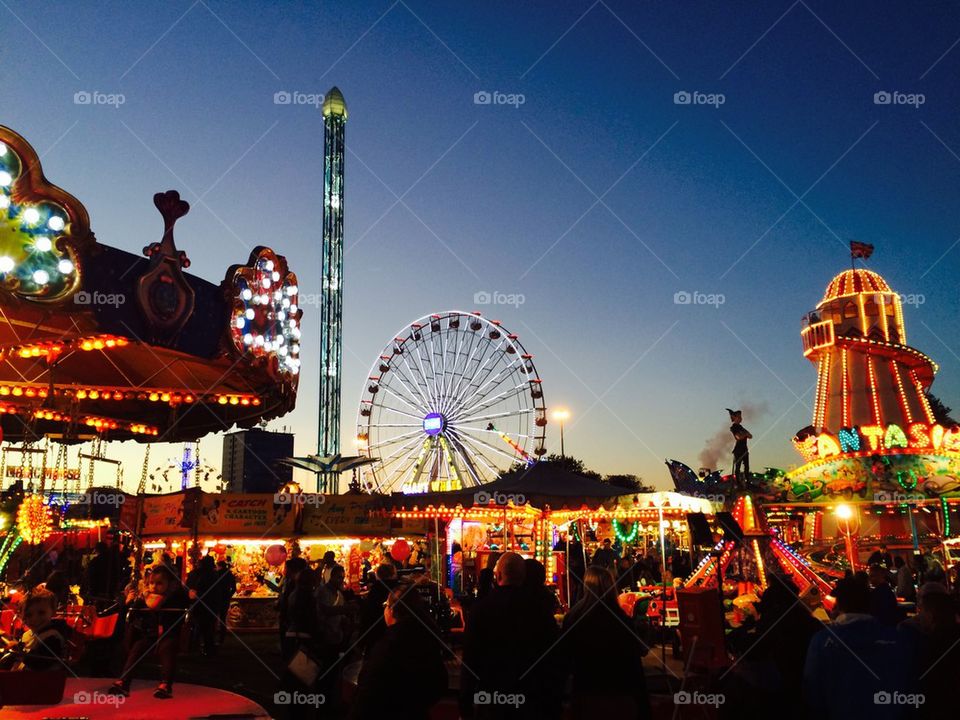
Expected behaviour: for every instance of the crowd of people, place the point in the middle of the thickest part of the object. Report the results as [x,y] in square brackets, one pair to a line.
[871,658]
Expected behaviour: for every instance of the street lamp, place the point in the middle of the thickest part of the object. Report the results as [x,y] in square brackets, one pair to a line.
[560,415]
[845,515]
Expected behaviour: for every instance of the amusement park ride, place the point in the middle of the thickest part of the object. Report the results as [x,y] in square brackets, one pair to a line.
[98,344]
[452,402]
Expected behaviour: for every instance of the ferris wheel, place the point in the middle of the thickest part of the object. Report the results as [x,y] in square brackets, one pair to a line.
[451,402]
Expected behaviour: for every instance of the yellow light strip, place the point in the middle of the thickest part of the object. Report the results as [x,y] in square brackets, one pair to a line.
[898,311]
[874,397]
[904,404]
[928,411]
[863,314]
[883,317]
[845,407]
[760,568]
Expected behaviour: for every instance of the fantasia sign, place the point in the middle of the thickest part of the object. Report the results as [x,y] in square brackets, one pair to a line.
[878,440]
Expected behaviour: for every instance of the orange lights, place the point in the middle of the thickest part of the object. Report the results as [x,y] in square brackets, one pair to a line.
[52,349]
[874,397]
[904,403]
[845,379]
[927,410]
[238,399]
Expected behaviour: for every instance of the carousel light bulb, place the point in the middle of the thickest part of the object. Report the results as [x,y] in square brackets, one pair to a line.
[6,264]
[293,309]
[42,243]
[4,202]
[3,149]
[266,283]
[248,339]
[246,294]
[258,340]
[31,216]
[268,265]
[249,314]
[56,223]
[65,267]
[291,290]
[41,277]
[285,303]
[6,179]
[241,322]
[275,276]
[280,315]
[844,512]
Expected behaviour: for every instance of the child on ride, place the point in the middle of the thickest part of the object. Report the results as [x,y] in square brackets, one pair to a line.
[154,620]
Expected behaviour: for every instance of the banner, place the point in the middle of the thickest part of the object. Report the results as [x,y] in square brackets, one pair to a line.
[343,516]
[168,514]
[251,515]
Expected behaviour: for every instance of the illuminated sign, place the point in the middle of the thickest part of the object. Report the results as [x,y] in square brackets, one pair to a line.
[879,439]
[433,424]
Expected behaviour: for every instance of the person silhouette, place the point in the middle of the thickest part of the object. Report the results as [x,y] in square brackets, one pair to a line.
[741,454]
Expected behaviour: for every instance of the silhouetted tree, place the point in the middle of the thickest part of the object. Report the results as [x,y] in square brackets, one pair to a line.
[941,412]
[628,481]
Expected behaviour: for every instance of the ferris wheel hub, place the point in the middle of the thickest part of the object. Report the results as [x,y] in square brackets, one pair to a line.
[434,423]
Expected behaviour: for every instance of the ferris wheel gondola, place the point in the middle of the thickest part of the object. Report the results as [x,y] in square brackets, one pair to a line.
[450,403]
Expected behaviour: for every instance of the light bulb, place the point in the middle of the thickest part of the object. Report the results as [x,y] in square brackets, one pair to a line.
[31,216]
[6,264]
[56,223]
[6,179]
[41,277]
[65,267]
[42,243]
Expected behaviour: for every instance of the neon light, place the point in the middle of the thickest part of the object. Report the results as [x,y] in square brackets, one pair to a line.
[904,404]
[874,397]
[863,314]
[845,408]
[945,508]
[760,569]
[928,411]
[627,537]
[895,438]
[849,440]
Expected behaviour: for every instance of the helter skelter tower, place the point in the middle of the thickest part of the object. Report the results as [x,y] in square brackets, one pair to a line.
[331,309]
[867,374]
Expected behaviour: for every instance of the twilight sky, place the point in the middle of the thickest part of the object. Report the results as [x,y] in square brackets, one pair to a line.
[598,199]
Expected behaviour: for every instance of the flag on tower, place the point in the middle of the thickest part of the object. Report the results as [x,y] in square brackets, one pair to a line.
[860,250]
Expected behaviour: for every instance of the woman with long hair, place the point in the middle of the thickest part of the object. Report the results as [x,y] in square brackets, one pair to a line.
[604,653]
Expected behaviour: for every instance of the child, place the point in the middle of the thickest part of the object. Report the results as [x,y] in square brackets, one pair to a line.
[154,621]
[44,643]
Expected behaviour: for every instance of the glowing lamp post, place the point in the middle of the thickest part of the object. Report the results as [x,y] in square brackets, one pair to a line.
[848,525]
[560,416]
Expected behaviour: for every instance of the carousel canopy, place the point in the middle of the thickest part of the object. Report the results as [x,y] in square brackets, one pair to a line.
[97,340]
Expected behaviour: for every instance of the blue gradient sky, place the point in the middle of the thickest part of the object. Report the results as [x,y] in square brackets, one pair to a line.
[504,199]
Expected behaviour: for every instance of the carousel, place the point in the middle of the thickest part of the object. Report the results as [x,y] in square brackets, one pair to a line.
[99,344]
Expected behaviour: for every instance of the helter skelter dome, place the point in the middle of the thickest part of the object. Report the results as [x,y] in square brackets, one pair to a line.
[867,374]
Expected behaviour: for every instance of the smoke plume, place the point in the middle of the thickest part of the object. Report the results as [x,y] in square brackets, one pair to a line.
[718,448]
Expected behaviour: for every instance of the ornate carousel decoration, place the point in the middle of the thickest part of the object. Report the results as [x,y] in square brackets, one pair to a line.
[98,342]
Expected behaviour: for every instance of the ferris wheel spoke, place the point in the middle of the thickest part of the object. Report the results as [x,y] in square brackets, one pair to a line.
[419,463]
[394,439]
[515,457]
[494,416]
[398,396]
[466,462]
[414,393]
[495,382]
[427,380]
[456,371]
[478,453]
[465,413]
[398,411]
[474,345]
[421,392]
